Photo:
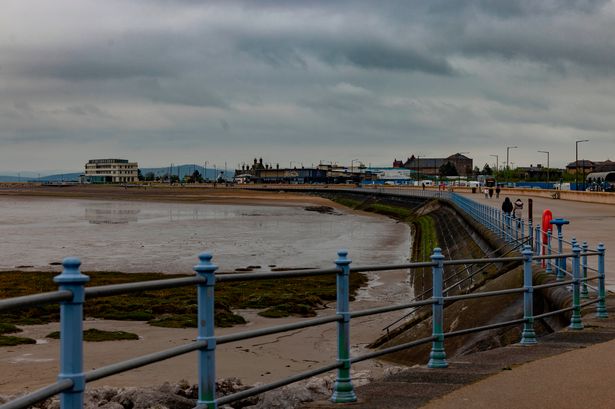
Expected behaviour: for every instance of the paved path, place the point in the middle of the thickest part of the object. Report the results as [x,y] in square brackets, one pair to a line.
[567,369]
[592,222]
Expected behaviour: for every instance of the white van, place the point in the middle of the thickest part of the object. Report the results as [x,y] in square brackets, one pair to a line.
[426,182]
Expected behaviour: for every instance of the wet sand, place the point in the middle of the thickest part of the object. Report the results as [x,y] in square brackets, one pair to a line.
[287,233]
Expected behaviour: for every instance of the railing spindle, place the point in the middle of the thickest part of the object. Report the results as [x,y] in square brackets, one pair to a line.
[601,306]
[437,356]
[528,336]
[343,391]
[205,324]
[576,322]
[71,332]
[584,291]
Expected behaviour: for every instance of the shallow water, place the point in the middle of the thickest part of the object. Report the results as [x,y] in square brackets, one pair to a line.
[167,237]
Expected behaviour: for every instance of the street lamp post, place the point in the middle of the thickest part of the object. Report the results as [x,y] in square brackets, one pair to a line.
[497,163]
[352,164]
[508,148]
[548,167]
[576,164]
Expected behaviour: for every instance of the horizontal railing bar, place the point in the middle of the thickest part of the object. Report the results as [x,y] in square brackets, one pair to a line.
[380,310]
[39,395]
[554,256]
[274,275]
[392,349]
[483,328]
[277,329]
[144,360]
[550,313]
[35,299]
[482,260]
[264,388]
[114,289]
[553,284]
[595,270]
[485,294]
[585,304]
[392,267]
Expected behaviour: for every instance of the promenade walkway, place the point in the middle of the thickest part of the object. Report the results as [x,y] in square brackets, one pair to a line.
[566,370]
[588,221]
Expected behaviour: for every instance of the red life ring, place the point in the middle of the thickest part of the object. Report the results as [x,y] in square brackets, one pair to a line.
[547,216]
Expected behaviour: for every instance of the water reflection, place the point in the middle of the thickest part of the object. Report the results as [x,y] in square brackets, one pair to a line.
[112,213]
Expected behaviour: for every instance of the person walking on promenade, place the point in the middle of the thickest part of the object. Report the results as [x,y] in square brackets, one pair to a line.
[486,192]
[518,211]
[490,192]
[507,208]
[497,192]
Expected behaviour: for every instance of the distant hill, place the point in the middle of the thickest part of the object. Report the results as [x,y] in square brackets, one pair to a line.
[180,170]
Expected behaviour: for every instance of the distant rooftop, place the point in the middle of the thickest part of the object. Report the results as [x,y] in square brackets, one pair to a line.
[108,161]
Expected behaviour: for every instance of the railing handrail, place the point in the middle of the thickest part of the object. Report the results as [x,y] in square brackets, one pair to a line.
[73,293]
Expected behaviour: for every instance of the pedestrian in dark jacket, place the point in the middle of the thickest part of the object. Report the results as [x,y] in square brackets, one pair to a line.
[497,192]
[507,207]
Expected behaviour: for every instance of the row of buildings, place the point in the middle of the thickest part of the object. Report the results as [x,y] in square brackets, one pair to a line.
[431,166]
[415,167]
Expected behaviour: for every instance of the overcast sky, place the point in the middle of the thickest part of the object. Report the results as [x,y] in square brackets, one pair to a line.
[185,81]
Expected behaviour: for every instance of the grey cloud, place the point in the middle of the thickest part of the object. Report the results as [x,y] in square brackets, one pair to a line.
[515,9]
[180,93]
[361,52]
[87,110]
[324,75]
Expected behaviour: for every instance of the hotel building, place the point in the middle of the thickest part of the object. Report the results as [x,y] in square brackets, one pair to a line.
[111,171]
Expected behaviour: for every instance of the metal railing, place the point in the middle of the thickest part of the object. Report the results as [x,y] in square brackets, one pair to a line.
[72,295]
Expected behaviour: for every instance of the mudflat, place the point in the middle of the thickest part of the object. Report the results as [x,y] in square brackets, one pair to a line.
[174,224]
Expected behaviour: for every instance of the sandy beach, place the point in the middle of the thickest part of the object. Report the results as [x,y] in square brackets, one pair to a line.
[369,237]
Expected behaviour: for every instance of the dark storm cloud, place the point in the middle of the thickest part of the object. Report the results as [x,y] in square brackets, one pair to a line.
[514,9]
[363,53]
[253,75]
[172,91]
[125,55]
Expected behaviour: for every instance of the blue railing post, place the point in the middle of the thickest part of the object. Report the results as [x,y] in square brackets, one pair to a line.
[528,336]
[530,232]
[343,391]
[575,320]
[561,262]
[538,240]
[437,357]
[71,332]
[522,229]
[601,306]
[584,291]
[549,270]
[205,323]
